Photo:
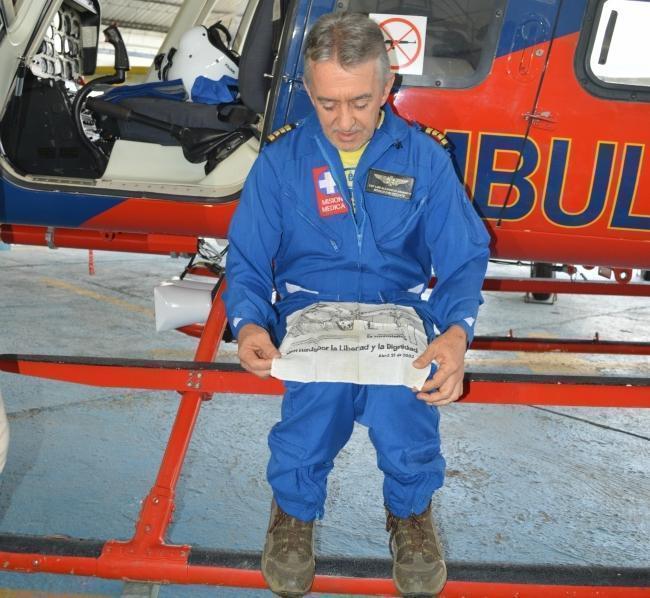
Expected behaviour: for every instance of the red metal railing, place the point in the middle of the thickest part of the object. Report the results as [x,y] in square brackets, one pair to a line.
[572,287]
[147,557]
[546,345]
[90,239]
[208,378]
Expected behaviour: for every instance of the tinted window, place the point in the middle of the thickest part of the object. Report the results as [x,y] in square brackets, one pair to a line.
[459,38]
[612,58]
[620,52]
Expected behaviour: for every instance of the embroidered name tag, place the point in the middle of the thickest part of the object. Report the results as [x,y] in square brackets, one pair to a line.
[390,184]
[328,197]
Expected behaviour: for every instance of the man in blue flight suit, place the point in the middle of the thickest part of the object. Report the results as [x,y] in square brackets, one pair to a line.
[354,204]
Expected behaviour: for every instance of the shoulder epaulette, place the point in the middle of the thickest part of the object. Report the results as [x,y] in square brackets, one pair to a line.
[437,135]
[281,131]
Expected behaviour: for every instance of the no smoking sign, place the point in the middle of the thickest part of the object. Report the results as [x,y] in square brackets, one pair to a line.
[404,36]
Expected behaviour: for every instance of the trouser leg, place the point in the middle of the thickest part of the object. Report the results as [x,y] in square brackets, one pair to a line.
[404,431]
[317,421]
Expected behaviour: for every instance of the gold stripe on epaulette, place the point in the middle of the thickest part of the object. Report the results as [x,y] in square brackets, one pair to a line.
[281,131]
[437,135]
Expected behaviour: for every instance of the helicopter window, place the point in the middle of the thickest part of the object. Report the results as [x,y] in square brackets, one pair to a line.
[621,47]
[458,41]
[2,25]
[612,56]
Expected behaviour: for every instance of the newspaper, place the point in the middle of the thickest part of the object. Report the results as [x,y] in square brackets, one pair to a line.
[353,342]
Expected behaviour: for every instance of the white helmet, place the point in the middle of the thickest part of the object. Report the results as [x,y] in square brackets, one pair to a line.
[201,52]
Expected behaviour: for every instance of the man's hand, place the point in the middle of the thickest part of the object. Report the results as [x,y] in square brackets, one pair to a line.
[256,350]
[448,350]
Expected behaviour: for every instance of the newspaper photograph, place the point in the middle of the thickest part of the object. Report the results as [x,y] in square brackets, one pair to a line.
[353,342]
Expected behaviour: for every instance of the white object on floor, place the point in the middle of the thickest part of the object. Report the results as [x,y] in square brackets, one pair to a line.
[182,302]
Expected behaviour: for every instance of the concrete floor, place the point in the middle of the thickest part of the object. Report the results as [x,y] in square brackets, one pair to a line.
[524,485]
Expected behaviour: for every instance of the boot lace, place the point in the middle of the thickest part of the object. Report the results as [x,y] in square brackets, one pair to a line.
[411,530]
[292,533]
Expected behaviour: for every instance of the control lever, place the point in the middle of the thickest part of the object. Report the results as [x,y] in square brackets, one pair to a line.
[114,37]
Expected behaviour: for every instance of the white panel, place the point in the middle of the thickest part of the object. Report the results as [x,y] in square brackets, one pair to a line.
[156,167]
[627,59]
[137,161]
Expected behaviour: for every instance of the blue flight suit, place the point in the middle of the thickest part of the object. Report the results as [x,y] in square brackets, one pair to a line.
[295,231]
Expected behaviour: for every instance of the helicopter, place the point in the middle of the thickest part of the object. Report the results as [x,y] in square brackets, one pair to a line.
[543,105]
[545,109]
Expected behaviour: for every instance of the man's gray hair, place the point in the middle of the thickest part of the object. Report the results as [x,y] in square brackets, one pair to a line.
[348,38]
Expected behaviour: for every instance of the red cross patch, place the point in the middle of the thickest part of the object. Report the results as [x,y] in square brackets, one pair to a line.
[328,198]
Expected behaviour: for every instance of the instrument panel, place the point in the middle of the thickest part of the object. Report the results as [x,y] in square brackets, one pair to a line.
[60,55]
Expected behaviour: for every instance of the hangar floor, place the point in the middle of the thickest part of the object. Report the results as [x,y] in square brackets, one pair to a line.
[524,484]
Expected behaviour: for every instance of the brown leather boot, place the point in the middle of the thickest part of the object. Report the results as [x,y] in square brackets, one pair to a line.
[288,557]
[418,565]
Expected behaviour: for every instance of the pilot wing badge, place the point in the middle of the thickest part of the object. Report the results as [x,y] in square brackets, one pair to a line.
[390,184]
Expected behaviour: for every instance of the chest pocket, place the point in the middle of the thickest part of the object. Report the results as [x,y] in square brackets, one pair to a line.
[306,235]
[304,232]
[312,227]
[392,218]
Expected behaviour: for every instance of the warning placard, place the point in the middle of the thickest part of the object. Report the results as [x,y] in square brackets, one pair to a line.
[405,37]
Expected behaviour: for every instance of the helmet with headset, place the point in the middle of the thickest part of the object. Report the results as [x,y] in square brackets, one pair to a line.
[201,51]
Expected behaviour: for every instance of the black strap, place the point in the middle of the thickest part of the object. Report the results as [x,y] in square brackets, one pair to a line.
[237,115]
[164,72]
[221,27]
[214,35]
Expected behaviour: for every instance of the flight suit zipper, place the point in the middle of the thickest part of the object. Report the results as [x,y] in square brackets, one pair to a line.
[344,191]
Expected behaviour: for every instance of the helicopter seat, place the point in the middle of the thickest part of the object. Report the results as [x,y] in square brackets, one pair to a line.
[222,117]
[255,64]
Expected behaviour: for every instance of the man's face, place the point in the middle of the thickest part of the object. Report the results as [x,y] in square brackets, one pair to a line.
[347,102]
